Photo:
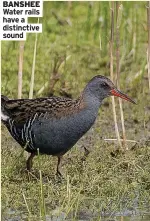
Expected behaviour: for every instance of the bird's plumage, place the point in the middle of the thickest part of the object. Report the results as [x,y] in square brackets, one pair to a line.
[23,109]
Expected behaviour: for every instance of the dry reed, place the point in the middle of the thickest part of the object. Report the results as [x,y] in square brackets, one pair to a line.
[118,22]
[111,72]
[33,67]
[148,53]
[21,50]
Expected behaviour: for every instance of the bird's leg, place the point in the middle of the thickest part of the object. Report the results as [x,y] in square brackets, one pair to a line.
[58,166]
[29,161]
[86,153]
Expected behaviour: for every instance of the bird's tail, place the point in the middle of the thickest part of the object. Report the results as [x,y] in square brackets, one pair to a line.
[4,113]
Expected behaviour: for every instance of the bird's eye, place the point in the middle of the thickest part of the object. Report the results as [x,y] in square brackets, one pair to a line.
[104,85]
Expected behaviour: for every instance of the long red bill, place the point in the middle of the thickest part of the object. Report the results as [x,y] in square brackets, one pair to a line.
[118,93]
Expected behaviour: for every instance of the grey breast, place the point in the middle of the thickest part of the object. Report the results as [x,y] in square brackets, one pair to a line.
[57,136]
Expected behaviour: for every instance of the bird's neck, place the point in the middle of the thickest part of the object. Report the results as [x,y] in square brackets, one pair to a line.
[91,101]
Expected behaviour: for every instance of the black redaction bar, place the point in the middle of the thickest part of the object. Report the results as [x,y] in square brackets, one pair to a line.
[21,3]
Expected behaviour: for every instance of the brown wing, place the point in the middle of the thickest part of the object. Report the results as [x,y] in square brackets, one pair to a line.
[21,110]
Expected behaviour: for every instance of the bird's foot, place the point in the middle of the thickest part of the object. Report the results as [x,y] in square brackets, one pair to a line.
[28,174]
[86,153]
[31,175]
[59,174]
[59,177]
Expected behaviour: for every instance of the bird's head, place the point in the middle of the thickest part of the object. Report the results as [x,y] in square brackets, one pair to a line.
[102,87]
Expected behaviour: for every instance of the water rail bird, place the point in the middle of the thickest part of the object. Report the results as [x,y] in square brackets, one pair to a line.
[53,125]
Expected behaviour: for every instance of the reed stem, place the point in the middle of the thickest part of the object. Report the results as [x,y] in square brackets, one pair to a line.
[21,50]
[33,67]
[148,53]
[111,72]
[118,22]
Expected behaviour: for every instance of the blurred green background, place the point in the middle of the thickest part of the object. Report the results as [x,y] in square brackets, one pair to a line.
[77,34]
